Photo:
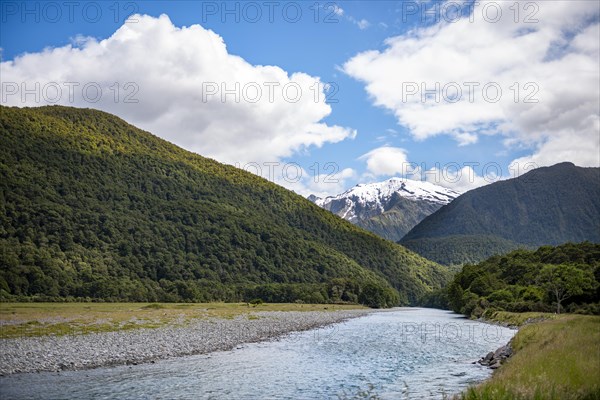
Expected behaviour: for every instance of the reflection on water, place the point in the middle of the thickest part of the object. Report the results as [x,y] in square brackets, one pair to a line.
[409,353]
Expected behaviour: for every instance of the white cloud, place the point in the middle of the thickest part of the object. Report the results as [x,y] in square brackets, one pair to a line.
[363,24]
[175,69]
[555,61]
[386,161]
[328,184]
[80,40]
[573,146]
[465,138]
[461,180]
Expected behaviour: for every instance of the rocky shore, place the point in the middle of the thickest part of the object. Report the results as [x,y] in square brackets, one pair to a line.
[74,352]
[494,359]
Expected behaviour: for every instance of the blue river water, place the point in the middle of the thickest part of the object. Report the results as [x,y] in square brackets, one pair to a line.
[407,353]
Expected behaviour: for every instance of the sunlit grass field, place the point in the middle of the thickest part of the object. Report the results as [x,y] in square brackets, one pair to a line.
[556,359]
[39,319]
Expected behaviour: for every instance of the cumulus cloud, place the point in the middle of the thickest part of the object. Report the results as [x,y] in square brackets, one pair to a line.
[444,79]
[386,161]
[575,146]
[326,184]
[182,84]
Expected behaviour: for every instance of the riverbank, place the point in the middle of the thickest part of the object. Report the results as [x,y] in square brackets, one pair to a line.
[515,320]
[555,357]
[413,353]
[184,335]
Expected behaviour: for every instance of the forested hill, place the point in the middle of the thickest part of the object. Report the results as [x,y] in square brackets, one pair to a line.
[546,206]
[94,207]
[528,280]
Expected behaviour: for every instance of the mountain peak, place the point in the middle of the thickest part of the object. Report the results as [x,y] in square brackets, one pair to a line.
[408,188]
[388,208]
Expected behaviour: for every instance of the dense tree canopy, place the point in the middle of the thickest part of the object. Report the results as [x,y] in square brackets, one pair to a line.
[526,280]
[92,207]
[564,281]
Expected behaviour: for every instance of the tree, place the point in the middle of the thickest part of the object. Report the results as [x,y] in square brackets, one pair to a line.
[564,281]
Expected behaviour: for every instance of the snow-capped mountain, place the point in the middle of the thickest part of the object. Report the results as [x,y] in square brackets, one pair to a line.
[389,208]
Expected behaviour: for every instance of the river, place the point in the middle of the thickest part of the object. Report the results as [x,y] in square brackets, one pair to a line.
[406,353]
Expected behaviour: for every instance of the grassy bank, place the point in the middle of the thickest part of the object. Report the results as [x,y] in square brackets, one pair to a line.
[518,319]
[555,359]
[39,319]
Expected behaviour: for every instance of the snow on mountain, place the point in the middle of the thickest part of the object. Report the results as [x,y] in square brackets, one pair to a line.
[390,208]
[375,195]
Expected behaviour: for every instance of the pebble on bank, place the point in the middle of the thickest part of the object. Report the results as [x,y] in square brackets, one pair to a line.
[74,352]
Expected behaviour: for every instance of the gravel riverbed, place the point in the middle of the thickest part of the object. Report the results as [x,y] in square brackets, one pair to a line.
[73,352]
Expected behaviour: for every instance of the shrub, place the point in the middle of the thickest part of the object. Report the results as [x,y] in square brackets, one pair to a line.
[501,295]
[256,302]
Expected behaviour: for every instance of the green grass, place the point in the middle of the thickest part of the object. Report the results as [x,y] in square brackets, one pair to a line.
[518,319]
[556,359]
[41,319]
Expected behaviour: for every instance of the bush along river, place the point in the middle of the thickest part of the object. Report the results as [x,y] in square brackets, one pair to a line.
[405,353]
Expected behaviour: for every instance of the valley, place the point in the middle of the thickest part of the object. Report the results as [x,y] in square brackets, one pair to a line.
[382,200]
[129,239]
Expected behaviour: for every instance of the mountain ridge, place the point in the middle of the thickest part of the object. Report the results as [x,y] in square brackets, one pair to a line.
[546,206]
[389,208]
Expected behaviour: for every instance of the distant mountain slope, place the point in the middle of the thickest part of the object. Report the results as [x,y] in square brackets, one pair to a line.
[94,207]
[546,206]
[390,208]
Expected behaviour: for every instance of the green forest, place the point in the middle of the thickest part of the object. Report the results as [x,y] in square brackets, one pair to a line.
[563,278]
[93,208]
[457,250]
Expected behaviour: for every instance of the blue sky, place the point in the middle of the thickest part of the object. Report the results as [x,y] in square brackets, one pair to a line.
[368,51]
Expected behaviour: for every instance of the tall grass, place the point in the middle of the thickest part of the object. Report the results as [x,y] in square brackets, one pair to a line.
[557,359]
[518,319]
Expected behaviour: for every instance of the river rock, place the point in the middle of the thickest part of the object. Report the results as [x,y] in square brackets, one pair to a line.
[496,358]
[132,347]
[487,359]
[503,352]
